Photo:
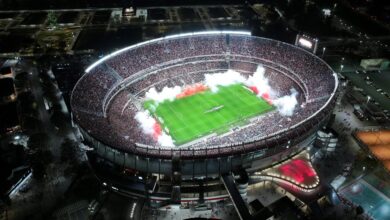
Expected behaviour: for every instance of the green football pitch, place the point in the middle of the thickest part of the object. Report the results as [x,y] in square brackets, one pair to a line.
[191,117]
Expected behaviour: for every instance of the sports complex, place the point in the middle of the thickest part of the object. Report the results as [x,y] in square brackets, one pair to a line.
[198,105]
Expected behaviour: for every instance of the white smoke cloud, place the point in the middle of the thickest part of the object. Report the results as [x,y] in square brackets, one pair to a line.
[259,81]
[231,77]
[214,80]
[165,140]
[223,79]
[148,123]
[287,104]
[166,93]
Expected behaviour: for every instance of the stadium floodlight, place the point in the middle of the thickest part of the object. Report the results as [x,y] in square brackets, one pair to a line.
[305,43]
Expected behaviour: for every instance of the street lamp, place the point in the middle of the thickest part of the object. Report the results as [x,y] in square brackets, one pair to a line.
[323,51]
[341,67]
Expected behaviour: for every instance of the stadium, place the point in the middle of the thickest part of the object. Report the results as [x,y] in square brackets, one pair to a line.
[201,104]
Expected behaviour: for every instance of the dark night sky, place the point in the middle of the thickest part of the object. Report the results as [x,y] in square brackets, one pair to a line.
[66,4]
[56,4]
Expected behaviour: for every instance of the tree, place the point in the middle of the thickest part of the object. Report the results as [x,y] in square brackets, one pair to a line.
[359,210]
[68,150]
[40,160]
[22,80]
[26,100]
[31,123]
[59,119]
[51,20]
[38,141]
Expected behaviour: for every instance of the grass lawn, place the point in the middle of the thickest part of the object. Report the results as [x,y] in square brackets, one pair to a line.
[207,112]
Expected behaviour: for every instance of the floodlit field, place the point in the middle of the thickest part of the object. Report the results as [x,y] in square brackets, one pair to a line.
[191,117]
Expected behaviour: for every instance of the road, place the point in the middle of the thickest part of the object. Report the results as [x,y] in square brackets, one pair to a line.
[42,196]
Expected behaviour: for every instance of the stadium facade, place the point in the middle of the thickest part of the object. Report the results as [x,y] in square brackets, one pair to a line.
[106,98]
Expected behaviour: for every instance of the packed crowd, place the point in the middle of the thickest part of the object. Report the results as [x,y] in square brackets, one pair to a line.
[92,88]
[185,61]
[141,58]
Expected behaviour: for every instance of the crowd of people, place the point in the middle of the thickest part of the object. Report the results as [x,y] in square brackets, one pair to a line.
[140,58]
[185,61]
[92,88]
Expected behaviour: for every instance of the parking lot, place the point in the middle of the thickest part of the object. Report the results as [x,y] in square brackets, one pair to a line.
[374,84]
